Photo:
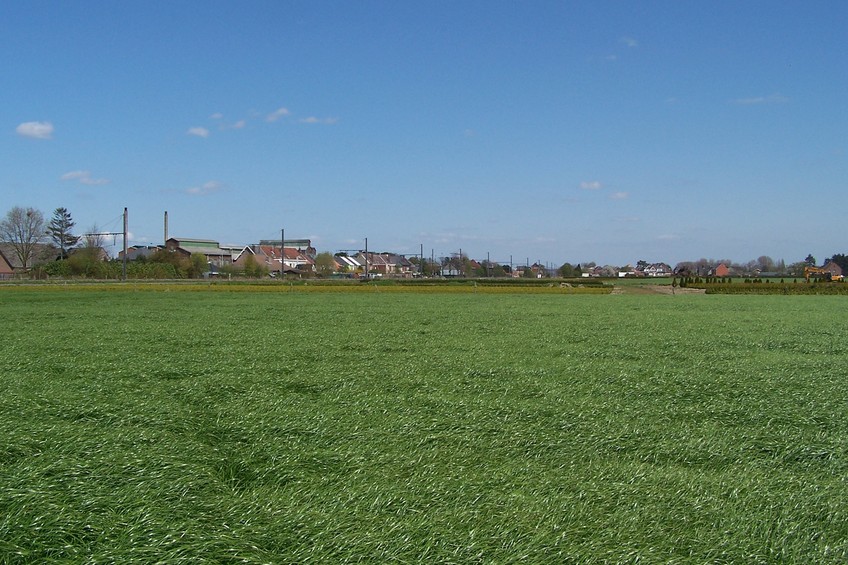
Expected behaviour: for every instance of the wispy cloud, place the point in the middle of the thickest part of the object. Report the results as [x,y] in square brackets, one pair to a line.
[591,185]
[198,131]
[84,177]
[36,130]
[217,116]
[754,100]
[314,120]
[277,114]
[629,42]
[204,189]
[241,124]
[618,196]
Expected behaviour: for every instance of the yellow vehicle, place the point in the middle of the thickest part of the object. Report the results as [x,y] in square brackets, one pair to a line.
[820,273]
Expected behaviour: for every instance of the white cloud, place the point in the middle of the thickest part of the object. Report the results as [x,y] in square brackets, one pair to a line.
[314,120]
[618,196]
[591,185]
[630,42]
[277,114]
[198,131]
[206,188]
[75,175]
[36,130]
[239,124]
[217,116]
[754,100]
[84,177]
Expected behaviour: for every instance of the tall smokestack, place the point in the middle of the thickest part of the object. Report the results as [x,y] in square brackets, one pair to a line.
[166,226]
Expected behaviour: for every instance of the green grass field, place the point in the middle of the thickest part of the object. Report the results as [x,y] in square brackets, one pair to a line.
[151,426]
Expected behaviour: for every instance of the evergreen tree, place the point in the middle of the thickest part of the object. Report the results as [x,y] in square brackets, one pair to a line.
[60,231]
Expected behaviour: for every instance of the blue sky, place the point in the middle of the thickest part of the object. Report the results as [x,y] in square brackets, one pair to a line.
[542,131]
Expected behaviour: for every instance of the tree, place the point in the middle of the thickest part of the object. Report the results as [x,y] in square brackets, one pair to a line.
[810,261]
[458,264]
[253,269]
[88,259]
[796,269]
[60,231]
[325,264]
[198,266]
[765,263]
[567,271]
[93,239]
[685,268]
[24,229]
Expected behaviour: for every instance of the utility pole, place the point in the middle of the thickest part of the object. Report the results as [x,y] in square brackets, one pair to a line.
[124,265]
[113,234]
[366,258]
[282,253]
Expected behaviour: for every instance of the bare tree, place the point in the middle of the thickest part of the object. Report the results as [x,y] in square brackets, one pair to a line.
[24,229]
[766,263]
[93,239]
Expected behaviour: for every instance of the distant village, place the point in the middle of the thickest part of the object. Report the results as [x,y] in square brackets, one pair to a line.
[84,255]
[299,258]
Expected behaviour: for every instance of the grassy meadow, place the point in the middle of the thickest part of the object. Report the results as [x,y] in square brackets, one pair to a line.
[161,425]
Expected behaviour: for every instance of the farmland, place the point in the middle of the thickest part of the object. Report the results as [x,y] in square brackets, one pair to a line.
[189,425]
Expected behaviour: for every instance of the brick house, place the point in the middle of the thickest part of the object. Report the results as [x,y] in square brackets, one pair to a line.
[6,270]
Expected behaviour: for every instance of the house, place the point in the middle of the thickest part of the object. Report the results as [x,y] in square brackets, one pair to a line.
[721,270]
[832,268]
[539,270]
[658,270]
[6,270]
[376,263]
[304,246]
[292,260]
[136,251]
[606,271]
[628,271]
[299,260]
[347,264]
[401,265]
[386,264]
[40,253]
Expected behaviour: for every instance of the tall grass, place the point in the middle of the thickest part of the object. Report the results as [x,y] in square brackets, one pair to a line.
[145,427]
